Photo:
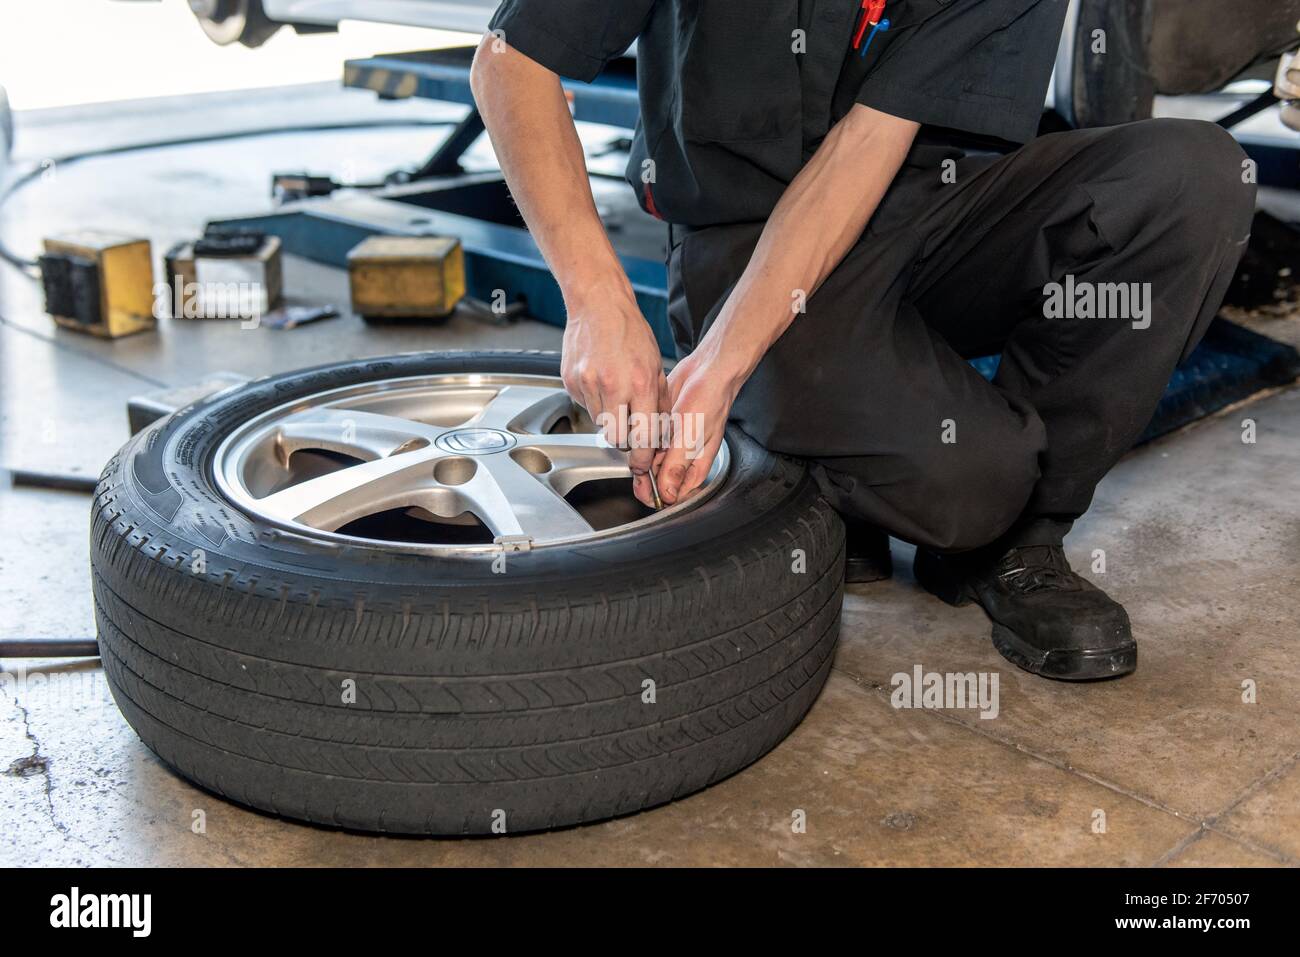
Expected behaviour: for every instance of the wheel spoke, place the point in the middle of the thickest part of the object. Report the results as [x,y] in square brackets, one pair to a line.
[363,435]
[331,501]
[511,500]
[578,457]
[524,408]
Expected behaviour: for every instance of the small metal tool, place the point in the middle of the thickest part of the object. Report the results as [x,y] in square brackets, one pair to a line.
[654,487]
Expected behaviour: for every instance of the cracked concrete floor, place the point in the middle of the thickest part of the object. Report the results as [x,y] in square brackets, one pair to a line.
[1201,535]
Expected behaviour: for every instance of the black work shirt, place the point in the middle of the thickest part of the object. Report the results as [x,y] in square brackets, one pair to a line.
[736,95]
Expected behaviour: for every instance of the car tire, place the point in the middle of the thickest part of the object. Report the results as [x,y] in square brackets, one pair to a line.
[586,682]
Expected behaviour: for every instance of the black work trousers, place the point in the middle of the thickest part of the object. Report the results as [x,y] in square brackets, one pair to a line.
[870,382]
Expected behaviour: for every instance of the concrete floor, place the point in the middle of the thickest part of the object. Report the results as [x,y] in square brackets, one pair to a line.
[1201,534]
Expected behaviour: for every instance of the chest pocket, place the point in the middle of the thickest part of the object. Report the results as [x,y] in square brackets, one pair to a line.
[906,13]
[975,50]
[740,73]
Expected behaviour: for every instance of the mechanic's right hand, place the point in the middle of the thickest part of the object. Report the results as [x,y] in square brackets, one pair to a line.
[611,366]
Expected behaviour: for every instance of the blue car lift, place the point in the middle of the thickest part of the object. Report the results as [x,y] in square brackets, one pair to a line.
[440,198]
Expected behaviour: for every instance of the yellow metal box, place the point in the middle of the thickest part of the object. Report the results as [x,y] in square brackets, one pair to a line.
[406,276]
[99,282]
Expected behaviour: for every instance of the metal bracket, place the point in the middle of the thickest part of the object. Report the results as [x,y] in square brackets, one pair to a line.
[514,543]
[445,160]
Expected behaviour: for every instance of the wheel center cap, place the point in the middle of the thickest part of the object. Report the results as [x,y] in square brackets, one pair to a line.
[475,441]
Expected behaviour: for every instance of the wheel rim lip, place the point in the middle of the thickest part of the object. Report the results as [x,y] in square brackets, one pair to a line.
[233,452]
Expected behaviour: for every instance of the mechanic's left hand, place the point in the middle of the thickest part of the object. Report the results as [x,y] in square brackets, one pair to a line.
[702,390]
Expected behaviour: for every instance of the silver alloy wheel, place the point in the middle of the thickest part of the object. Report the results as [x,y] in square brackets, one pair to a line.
[453,450]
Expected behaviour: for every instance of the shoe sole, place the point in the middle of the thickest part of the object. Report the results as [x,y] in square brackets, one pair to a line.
[1088,665]
[1092,664]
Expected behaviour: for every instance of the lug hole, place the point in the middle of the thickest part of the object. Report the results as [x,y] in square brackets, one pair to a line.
[455,470]
[410,445]
[534,460]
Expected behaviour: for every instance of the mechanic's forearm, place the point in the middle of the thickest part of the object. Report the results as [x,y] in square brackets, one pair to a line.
[528,120]
[817,221]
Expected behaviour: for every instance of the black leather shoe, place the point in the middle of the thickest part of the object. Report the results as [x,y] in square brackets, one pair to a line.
[1046,619]
[867,557]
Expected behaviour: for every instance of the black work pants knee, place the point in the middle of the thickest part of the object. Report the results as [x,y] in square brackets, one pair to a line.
[1091,261]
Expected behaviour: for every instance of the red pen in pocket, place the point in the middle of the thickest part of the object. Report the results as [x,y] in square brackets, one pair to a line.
[872,11]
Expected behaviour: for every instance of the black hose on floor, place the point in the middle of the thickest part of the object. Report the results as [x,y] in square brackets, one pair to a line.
[49,648]
[31,478]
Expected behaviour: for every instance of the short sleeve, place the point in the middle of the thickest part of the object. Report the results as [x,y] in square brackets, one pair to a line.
[981,66]
[574,38]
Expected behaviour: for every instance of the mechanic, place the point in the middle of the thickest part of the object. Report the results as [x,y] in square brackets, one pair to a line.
[839,250]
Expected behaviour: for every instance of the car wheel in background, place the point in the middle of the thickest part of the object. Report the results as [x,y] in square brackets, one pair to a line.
[234,21]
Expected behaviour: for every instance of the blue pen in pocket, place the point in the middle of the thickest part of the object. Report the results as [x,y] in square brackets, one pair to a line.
[873,12]
[880,27]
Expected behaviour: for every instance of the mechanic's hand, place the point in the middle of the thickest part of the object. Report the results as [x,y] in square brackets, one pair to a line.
[612,367]
[703,390]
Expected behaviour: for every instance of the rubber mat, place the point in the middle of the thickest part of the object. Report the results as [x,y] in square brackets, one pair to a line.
[1231,363]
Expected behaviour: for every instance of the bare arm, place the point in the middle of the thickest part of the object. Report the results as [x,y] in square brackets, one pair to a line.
[611,359]
[818,219]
